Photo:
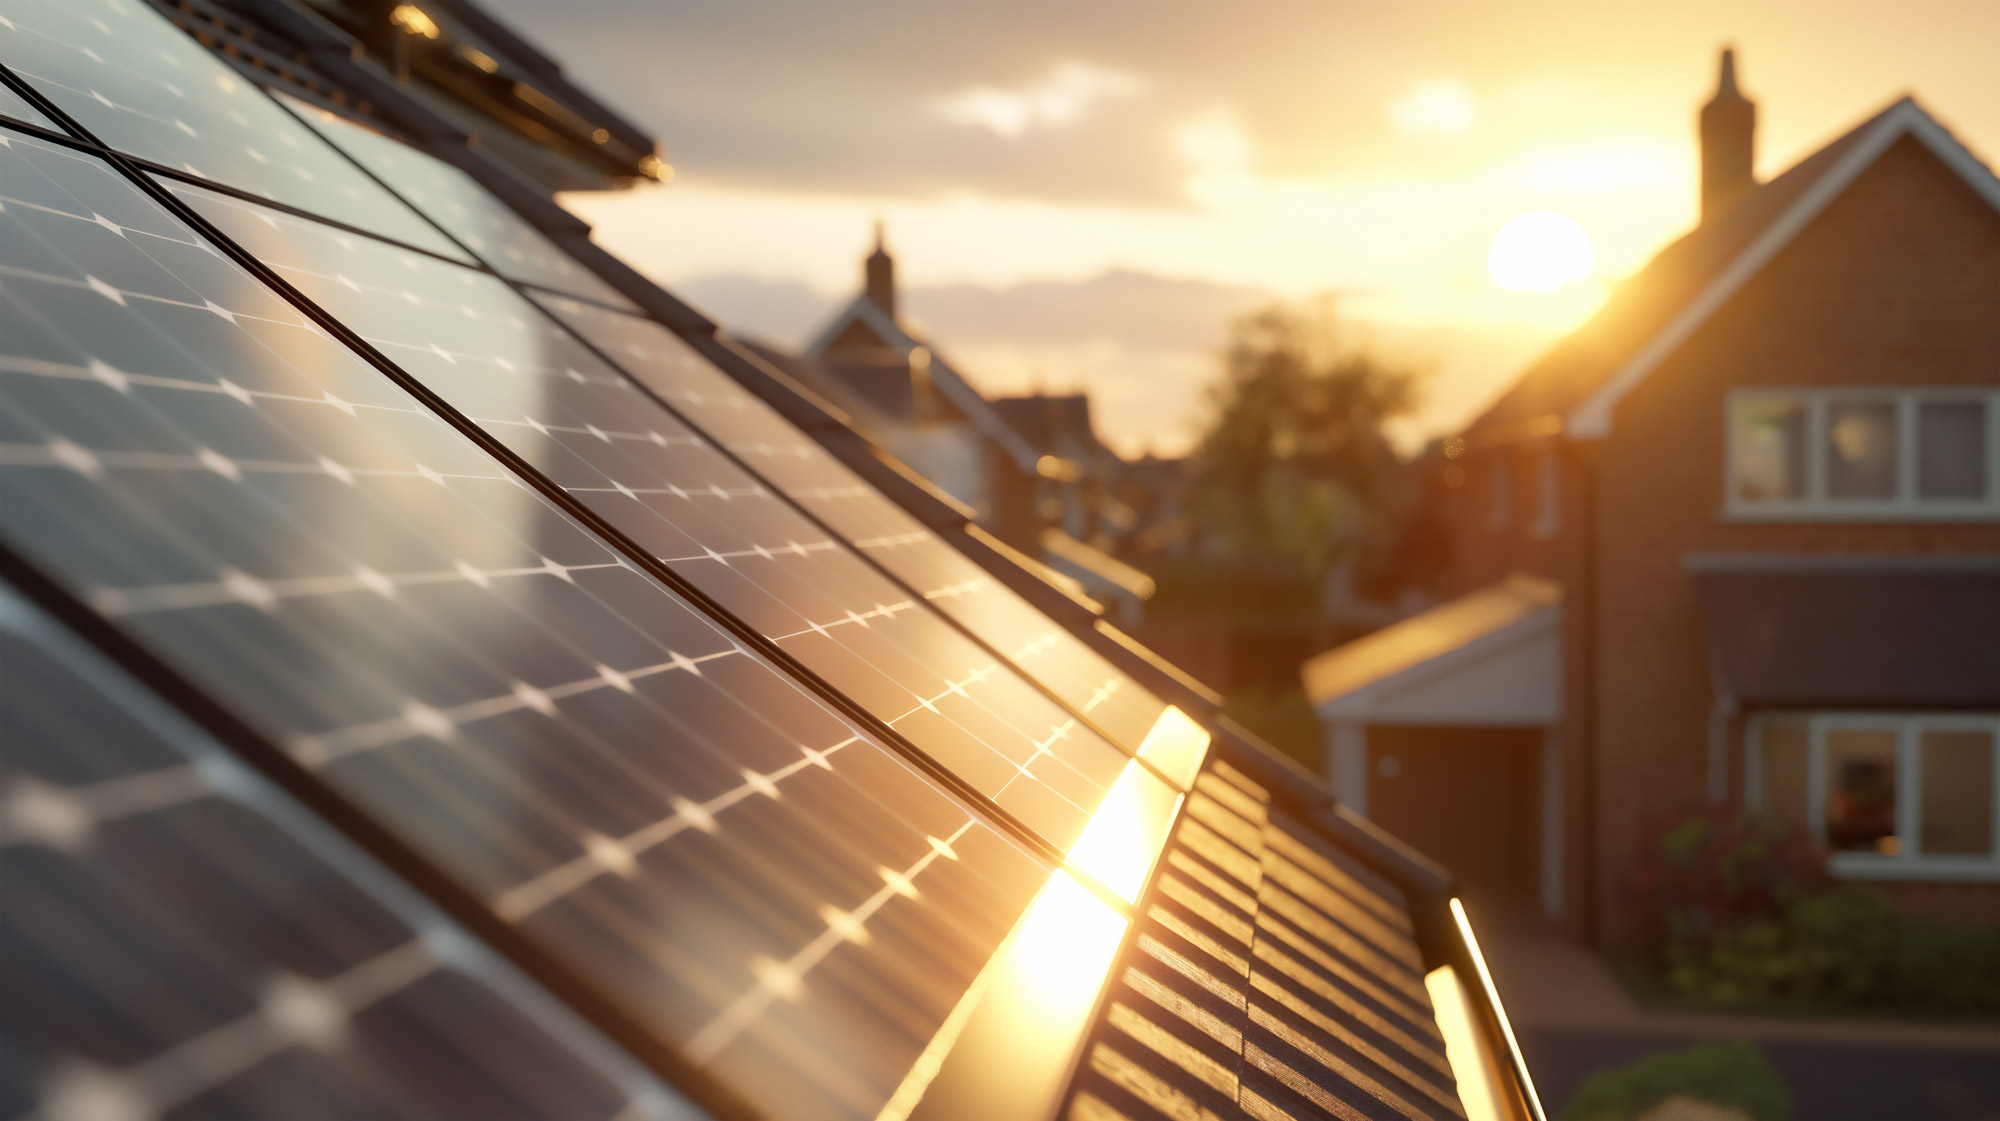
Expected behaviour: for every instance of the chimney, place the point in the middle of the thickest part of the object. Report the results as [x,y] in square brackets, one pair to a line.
[879,275]
[1728,134]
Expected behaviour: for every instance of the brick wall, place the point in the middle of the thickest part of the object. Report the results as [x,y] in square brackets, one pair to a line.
[1896,283]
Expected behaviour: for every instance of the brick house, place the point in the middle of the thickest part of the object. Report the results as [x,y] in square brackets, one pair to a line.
[1735,541]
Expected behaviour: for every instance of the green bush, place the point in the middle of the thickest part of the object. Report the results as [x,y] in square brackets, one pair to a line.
[1831,946]
[1726,1074]
[1746,916]
[1951,967]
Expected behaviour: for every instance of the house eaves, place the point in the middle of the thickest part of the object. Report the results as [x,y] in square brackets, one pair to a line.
[1591,420]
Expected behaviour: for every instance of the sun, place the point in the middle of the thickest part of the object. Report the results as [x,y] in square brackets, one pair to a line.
[1540,251]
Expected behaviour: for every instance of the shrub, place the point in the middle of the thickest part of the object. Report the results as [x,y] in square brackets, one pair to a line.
[1745,914]
[1733,1074]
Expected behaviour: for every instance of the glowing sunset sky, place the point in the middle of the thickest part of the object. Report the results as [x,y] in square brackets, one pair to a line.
[1205,155]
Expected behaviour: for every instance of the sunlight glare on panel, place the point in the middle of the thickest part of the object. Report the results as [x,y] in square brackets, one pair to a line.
[1176,746]
[1036,999]
[1118,847]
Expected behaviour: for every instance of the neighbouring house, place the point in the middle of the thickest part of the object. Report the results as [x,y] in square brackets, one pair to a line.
[1736,542]
[1031,468]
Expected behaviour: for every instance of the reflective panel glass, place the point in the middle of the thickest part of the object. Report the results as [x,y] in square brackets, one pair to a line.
[453,200]
[711,846]
[812,477]
[143,87]
[182,939]
[497,359]
[14,105]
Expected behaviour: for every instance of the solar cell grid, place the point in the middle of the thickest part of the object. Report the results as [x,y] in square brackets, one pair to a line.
[452,199]
[181,938]
[498,360]
[733,862]
[142,87]
[795,464]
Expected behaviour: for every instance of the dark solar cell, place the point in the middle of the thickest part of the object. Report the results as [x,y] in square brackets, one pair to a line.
[714,848]
[143,87]
[453,200]
[500,361]
[806,472]
[180,939]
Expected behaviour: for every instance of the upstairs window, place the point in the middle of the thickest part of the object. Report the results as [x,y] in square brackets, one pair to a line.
[1862,454]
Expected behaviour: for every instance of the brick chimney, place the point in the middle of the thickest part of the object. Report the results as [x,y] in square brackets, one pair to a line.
[1728,136]
[879,275]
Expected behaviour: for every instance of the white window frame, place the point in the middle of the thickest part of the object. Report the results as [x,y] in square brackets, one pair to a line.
[1909,862]
[1815,505]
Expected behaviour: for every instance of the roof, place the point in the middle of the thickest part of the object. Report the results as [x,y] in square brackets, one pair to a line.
[1057,423]
[1832,631]
[467,66]
[1577,384]
[373,535]
[944,378]
[1430,643]
[1096,569]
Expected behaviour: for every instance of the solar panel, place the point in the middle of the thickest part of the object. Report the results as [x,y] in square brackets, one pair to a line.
[498,360]
[714,850]
[179,937]
[467,212]
[138,84]
[795,464]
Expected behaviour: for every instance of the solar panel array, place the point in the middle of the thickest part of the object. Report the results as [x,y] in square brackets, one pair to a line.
[798,466]
[604,765]
[494,357]
[622,664]
[281,973]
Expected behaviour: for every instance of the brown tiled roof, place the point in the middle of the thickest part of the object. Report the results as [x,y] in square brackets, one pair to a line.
[1271,976]
[1578,366]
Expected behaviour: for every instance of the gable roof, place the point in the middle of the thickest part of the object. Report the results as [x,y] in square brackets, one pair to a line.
[1575,386]
[947,381]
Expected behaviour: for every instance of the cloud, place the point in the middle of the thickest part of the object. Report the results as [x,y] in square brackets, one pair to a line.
[1435,108]
[1069,92]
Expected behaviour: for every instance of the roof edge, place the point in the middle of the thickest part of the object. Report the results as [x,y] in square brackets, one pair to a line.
[1592,419]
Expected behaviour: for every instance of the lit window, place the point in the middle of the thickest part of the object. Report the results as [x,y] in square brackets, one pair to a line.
[1770,445]
[1889,795]
[1864,454]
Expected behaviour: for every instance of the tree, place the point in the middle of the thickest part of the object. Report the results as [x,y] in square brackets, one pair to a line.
[1295,471]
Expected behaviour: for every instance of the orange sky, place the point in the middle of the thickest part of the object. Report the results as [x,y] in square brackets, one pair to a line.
[1369,149]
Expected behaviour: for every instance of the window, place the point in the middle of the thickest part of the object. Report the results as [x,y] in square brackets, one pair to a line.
[1889,795]
[1884,454]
